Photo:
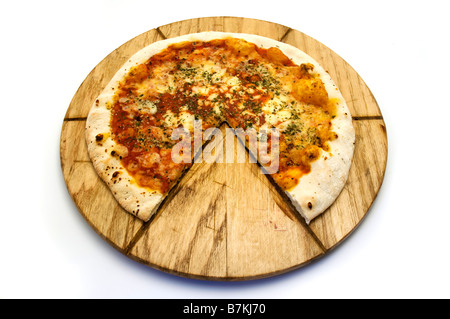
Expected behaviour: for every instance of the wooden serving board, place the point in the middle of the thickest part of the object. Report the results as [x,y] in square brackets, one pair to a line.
[226,221]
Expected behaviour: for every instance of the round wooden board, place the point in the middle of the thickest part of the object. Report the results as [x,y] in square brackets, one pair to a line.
[226,221]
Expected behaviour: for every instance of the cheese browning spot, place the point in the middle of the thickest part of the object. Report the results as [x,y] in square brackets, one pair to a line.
[224,80]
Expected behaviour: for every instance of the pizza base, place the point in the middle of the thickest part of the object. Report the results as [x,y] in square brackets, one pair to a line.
[314,193]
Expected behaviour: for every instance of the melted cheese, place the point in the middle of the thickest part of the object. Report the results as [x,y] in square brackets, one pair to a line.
[232,81]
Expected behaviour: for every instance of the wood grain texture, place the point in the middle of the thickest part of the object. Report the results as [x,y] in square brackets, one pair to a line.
[211,227]
[227,221]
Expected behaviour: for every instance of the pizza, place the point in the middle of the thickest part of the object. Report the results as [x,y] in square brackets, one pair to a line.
[145,128]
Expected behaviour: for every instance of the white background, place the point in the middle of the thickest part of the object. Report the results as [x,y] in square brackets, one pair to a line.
[399,48]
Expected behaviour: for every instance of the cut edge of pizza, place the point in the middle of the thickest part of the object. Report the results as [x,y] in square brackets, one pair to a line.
[311,196]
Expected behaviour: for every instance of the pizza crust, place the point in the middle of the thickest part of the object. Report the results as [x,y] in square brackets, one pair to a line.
[131,197]
[315,192]
[319,189]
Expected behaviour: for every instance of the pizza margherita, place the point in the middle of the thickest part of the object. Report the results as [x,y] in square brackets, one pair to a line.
[207,79]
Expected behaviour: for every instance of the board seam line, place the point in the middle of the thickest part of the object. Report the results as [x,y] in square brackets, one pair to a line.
[285,35]
[172,193]
[74,119]
[161,33]
[367,118]
[299,218]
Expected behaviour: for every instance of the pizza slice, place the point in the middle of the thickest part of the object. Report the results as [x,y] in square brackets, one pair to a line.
[148,125]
